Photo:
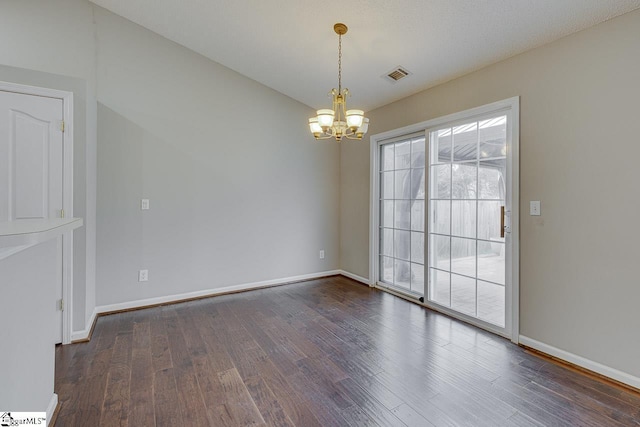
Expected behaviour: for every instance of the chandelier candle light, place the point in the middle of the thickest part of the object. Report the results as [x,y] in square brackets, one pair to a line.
[339,122]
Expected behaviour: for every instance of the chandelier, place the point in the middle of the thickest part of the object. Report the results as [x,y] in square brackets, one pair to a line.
[339,122]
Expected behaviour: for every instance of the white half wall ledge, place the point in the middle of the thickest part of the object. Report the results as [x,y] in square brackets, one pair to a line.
[24,233]
[583,362]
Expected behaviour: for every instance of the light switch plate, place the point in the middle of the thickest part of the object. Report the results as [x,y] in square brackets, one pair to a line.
[144,204]
[534,208]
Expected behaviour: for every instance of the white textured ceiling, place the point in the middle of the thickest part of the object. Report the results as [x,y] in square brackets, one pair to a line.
[290,46]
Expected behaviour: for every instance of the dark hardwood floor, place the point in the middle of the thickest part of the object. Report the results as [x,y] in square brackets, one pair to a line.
[327,352]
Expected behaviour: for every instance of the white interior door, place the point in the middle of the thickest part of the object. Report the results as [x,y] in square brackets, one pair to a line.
[31,164]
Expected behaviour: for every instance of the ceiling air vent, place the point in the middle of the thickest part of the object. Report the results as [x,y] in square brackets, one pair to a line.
[396,74]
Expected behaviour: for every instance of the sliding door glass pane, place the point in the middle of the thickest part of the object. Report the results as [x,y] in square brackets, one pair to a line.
[386,185]
[417,215]
[386,269]
[463,256]
[440,250]
[402,276]
[467,170]
[402,214]
[492,137]
[463,294]
[417,153]
[465,142]
[386,242]
[441,216]
[441,182]
[403,187]
[441,146]
[489,220]
[463,181]
[386,219]
[417,248]
[403,155]
[402,244]
[440,287]
[463,218]
[387,157]
[491,301]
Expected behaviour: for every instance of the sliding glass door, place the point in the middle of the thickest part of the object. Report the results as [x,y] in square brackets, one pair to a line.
[444,214]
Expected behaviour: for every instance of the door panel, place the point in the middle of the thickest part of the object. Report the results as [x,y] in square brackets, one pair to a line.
[31,164]
[467,265]
[31,149]
[30,145]
[402,215]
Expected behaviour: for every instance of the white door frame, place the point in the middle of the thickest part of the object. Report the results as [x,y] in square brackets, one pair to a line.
[512,325]
[67,191]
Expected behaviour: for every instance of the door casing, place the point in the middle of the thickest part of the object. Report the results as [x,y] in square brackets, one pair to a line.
[67,191]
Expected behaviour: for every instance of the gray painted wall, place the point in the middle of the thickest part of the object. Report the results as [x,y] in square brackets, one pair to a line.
[51,44]
[579,150]
[239,190]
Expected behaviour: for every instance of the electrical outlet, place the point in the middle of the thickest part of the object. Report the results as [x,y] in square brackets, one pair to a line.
[322,254]
[143,275]
[144,204]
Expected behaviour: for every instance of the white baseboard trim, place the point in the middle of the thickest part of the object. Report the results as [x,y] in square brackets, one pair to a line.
[84,334]
[583,362]
[210,292]
[53,404]
[355,277]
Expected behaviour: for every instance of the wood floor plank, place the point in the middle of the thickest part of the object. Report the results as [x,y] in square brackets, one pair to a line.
[141,406]
[115,407]
[369,404]
[282,357]
[165,397]
[520,420]
[161,356]
[327,402]
[241,405]
[267,403]
[256,365]
[87,408]
[212,393]
[189,397]
[325,352]
[142,334]
[410,417]
[356,416]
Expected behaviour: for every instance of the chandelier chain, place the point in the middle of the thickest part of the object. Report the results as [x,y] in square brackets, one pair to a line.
[339,63]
